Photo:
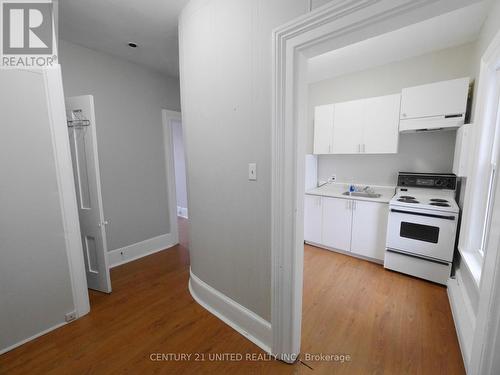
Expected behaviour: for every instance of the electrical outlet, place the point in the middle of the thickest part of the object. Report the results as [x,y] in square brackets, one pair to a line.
[69,317]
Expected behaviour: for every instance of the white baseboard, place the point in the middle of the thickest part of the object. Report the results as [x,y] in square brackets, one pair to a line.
[182,212]
[9,348]
[246,322]
[141,249]
[462,317]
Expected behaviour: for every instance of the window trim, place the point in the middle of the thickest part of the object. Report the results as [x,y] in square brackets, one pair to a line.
[474,237]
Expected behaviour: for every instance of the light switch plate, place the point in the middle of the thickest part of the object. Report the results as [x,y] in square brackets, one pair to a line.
[252,171]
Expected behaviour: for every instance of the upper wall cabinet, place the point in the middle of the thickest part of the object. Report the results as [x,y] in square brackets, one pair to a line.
[348,126]
[381,131]
[360,126]
[323,121]
[463,146]
[434,106]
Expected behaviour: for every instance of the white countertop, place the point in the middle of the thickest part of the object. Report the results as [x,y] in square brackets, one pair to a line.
[336,190]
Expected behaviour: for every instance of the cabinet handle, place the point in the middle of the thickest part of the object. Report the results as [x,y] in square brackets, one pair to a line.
[359,148]
[353,205]
[364,148]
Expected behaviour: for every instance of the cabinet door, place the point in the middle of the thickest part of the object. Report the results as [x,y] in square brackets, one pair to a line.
[381,132]
[348,124]
[323,123]
[312,218]
[369,227]
[463,146]
[435,99]
[337,218]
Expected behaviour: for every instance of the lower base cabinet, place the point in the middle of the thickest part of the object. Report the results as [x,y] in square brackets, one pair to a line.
[337,222]
[369,229]
[349,225]
[313,216]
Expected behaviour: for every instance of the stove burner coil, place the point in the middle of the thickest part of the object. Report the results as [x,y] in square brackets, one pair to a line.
[407,200]
[440,204]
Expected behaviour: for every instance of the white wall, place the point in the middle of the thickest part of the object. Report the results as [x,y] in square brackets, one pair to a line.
[179,164]
[317,3]
[225,48]
[128,103]
[35,283]
[424,152]
[417,152]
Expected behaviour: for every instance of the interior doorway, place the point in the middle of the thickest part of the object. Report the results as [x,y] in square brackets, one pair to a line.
[180,169]
[175,157]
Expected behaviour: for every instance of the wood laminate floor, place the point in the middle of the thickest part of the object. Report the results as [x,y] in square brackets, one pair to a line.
[385,322]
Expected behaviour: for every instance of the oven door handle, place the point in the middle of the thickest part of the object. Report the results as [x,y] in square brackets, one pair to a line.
[424,214]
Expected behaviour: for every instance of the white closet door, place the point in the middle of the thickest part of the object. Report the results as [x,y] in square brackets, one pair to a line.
[348,124]
[323,123]
[381,133]
[83,143]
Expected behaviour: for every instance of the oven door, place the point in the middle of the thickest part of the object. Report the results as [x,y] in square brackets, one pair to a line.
[424,232]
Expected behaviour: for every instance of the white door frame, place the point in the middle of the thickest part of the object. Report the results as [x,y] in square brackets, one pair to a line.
[167,118]
[66,187]
[486,342]
[336,24]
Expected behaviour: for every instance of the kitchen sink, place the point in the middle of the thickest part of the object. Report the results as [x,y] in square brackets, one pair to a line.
[362,194]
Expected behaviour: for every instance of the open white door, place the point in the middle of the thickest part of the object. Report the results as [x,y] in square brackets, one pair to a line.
[83,142]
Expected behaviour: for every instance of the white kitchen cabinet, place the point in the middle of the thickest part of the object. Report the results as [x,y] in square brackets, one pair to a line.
[323,125]
[462,151]
[369,227]
[349,225]
[381,130]
[348,125]
[438,98]
[435,105]
[336,228]
[358,126]
[313,216]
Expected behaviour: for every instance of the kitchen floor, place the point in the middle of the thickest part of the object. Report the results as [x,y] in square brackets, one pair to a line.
[386,322]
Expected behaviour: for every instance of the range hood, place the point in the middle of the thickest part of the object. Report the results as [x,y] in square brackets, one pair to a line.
[431,124]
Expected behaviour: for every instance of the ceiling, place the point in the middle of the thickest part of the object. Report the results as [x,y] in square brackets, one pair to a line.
[109,25]
[445,31]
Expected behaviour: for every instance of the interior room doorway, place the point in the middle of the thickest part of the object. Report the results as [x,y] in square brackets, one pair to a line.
[176,166]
